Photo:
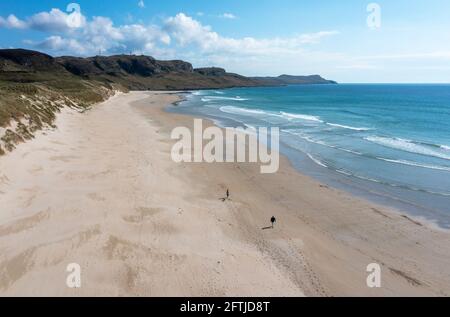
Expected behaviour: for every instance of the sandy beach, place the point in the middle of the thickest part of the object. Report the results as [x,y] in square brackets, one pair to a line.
[102,191]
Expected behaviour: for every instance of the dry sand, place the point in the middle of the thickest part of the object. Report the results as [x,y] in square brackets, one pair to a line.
[103,192]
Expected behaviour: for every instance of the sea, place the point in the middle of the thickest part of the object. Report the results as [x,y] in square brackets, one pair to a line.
[388,143]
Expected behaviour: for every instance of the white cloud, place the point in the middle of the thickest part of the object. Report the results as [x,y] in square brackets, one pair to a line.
[187,31]
[296,54]
[101,34]
[74,34]
[56,21]
[53,21]
[12,22]
[314,38]
[230,16]
[57,43]
[141,4]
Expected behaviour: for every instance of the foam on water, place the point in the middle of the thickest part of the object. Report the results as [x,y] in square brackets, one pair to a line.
[406,145]
[245,111]
[404,162]
[347,127]
[291,116]
[216,98]
[317,161]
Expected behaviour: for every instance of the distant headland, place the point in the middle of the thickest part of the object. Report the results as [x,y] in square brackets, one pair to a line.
[134,72]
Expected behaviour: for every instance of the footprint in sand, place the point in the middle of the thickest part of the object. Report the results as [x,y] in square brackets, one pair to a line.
[23,224]
[100,174]
[58,143]
[36,169]
[4,179]
[16,267]
[65,159]
[142,213]
[13,269]
[29,196]
[96,197]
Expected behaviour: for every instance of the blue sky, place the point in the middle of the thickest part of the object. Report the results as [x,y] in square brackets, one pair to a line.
[411,43]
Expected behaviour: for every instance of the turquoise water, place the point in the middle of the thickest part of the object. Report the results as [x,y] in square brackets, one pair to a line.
[388,143]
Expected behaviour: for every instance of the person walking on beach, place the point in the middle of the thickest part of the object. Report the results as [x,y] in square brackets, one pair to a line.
[228,194]
[273,220]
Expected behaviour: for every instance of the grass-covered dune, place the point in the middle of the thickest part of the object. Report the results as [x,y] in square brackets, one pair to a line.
[34,88]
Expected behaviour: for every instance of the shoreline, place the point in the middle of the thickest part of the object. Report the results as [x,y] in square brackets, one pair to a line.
[375,192]
[102,190]
[383,211]
[419,220]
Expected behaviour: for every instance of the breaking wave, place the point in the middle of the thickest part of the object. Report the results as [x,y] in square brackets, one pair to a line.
[347,127]
[407,146]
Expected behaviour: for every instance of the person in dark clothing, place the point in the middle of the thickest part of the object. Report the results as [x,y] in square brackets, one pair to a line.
[228,194]
[273,220]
